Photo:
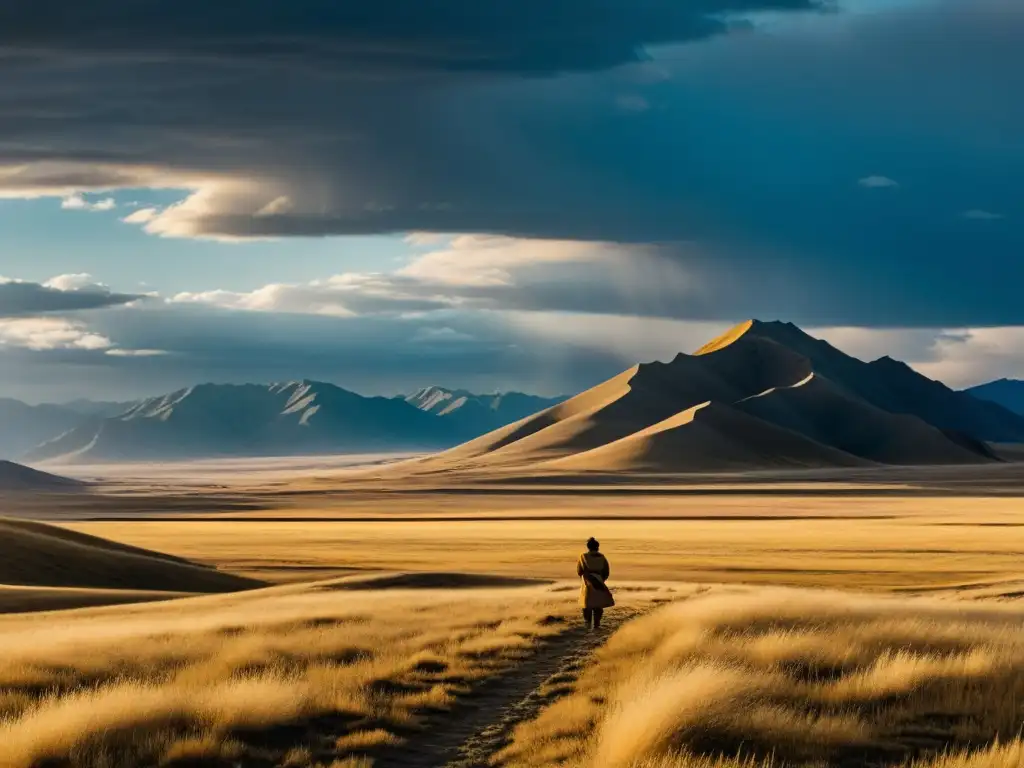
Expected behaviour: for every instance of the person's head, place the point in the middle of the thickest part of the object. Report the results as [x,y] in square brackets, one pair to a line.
[593,544]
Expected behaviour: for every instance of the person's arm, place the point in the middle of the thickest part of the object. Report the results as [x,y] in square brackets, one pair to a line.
[579,567]
[606,571]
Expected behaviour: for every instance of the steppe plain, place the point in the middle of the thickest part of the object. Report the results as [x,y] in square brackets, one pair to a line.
[334,612]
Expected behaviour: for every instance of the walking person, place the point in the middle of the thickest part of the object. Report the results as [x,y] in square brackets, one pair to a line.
[593,570]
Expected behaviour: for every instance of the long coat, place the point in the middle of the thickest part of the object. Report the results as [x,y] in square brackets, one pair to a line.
[593,570]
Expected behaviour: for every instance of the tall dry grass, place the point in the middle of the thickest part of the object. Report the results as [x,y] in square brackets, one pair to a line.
[771,677]
[310,676]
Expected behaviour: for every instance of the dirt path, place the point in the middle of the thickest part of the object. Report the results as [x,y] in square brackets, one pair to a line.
[481,726]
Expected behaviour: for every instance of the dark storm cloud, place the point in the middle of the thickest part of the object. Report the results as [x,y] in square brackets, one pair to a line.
[752,145]
[21,299]
[360,38]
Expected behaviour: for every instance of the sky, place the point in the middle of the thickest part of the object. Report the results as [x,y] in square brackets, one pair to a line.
[527,195]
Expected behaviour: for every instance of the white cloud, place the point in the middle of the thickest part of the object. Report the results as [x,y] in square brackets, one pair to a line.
[141,216]
[72,179]
[50,333]
[312,299]
[235,199]
[489,260]
[970,356]
[480,272]
[978,214]
[77,202]
[208,195]
[81,281]
[136,352]
[878,182]
[868,344]
[959,357]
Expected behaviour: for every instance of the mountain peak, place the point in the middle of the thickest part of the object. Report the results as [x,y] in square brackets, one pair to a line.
[889,360]
[776,330]
[885,362]
[727,338]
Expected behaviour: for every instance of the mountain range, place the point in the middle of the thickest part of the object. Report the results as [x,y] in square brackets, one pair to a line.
[472,415]
[1009,393]
[764,394]
[22,427]
[300,417]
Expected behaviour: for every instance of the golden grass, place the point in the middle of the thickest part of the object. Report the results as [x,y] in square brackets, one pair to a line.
[752,678]
[290,676]
[743,677]
[862,542]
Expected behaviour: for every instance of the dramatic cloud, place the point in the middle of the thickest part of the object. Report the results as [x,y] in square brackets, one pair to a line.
[969,356]
[377,334]
[373,39]
[677,281]
[475,272]
[154,348]
[960,357]
[722,160]
[61,294]
[373,354]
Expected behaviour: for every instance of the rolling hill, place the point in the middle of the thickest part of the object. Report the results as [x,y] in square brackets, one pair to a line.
[1008,393]
[39,555]
[18,478]
[301,417]
[761,395]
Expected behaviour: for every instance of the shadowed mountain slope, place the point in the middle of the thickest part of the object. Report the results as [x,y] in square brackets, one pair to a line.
[761,395]
[1008,393]
[708,437]
[828,414]
[896,387]
[24,426]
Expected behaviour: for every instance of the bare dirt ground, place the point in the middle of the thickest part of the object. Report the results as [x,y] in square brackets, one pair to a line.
[471,736]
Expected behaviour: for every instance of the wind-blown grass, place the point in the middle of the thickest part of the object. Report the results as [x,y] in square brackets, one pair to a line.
[297,676]
[759,678]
